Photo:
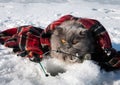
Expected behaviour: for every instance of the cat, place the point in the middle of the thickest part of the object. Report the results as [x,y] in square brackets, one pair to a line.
[71,42]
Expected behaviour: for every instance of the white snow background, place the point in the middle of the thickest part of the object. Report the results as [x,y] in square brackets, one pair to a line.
[15,70]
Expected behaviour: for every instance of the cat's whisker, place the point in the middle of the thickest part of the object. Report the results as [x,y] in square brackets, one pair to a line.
[74,58]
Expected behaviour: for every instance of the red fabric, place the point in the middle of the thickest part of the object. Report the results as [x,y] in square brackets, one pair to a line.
[32,44]
[58,22]
[35,44]
[45,41]
[11,44]
[87,23]
[115,62]
[10,31]
[25,29]
[3,39]
[24,40]
[103,40]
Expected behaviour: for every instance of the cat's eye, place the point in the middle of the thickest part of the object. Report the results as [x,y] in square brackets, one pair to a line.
[82,34]
[75,41]
[63,41]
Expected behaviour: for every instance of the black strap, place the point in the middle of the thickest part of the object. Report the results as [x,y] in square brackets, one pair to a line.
[97,29]
[36,31]
[22,42]
[20,28]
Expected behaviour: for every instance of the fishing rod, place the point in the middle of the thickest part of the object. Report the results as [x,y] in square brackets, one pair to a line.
[43,69]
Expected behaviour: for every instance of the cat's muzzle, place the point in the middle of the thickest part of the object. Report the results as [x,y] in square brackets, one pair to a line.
[76,57]
[80,58]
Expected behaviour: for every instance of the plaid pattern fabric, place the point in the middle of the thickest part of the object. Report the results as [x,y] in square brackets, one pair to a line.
[34,42]
[100,34]
[27,39]
[5,35]
[22,34]
[97,29]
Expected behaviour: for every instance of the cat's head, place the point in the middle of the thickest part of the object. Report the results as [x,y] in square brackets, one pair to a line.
[72,42]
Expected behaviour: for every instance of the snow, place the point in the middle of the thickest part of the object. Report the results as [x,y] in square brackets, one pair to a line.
[15,70]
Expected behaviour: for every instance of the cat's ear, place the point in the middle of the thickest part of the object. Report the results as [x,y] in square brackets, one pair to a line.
[58,30]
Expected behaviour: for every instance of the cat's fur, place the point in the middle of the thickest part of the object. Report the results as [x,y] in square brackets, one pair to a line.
[72,41]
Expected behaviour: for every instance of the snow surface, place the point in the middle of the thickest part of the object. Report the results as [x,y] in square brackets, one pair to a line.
[15,70]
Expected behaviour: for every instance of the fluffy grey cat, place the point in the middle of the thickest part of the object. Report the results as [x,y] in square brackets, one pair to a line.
[71,42]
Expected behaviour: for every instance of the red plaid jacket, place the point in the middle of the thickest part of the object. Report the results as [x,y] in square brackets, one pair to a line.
[36,40]
[100,33]
[25,39]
